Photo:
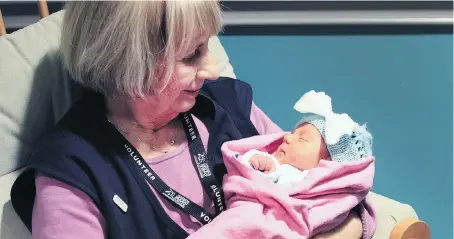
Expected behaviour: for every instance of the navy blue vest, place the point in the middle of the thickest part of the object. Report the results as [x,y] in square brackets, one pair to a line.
[80,153]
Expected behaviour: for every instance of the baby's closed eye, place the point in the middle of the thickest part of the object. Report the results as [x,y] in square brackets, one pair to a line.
[302,138]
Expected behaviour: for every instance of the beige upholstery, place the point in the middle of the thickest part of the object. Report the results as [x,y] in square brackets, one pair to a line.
[389,213]
[34,94]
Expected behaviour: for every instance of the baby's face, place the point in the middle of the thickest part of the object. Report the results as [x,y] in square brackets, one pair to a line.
[303,148]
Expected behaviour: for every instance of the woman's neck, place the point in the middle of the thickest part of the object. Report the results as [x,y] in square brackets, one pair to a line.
[138,113]
[150,133]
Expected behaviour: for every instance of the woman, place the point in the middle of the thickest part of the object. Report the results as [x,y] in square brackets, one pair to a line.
[120,163]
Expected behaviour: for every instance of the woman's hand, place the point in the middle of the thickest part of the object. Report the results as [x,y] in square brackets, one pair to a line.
[351,228]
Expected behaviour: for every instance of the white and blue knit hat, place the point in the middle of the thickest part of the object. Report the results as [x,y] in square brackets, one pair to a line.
[349,147]
[345,139]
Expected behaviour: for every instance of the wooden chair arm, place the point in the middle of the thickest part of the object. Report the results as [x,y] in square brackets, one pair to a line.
[43,12]
[410,229]
[2,25]
[43,8]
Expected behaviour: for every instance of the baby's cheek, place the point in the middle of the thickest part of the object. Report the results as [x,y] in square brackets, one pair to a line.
[279,156]
[305,161]
[301,163]
[292,159]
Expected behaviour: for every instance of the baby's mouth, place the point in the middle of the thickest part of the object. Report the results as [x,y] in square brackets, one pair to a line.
[281,149]
[279,153]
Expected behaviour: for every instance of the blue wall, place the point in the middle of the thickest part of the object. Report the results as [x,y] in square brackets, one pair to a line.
[400,85]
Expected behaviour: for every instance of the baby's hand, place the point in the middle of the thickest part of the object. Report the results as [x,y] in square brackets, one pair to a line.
[262,163]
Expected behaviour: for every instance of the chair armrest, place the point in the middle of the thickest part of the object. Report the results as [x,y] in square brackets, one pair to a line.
[410,229]
[389,213]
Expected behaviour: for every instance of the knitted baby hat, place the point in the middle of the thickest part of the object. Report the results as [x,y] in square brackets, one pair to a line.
[344,138]
[349,147]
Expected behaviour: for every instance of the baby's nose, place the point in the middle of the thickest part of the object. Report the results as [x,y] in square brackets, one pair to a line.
[288,138]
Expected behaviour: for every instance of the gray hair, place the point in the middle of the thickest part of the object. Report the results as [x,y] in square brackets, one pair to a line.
[130,47]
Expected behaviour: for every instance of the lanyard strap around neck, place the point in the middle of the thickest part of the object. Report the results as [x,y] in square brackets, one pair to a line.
[201,162]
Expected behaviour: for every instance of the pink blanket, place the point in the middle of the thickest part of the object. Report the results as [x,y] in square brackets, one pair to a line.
[258,208]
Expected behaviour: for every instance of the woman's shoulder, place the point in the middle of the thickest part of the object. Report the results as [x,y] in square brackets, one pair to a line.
[60,143]
[229,93]
[262,122]
[236,97]
[67,156]
[61,155]
[80,128]
[77,146]
[224,81]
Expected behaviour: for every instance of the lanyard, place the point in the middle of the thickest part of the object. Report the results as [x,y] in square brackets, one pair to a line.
[202,164]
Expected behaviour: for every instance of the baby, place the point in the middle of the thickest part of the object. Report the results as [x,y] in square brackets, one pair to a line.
[321,134]
[308,195]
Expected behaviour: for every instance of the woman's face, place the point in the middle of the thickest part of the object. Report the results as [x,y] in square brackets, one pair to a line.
[190,71]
